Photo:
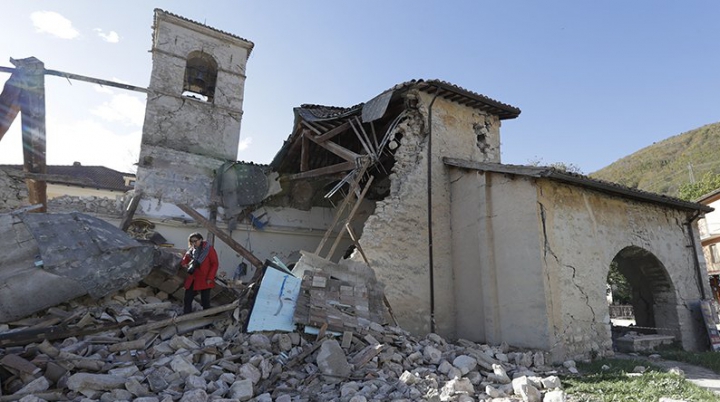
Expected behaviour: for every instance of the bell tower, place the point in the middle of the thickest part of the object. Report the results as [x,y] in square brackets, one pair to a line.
[193,110]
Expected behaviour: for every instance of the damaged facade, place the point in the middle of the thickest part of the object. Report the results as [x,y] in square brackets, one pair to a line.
[410,183]
[470,248]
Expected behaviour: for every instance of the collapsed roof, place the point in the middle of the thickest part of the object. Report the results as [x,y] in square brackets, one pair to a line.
[362,130]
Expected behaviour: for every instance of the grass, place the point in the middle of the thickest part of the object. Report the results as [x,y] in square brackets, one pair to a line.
[710,360]
[615,385]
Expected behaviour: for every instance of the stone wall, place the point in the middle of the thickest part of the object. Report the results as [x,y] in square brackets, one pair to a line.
[186,139]
[96,206]
[13,192]
[395,237]
[532,256]
[583,232]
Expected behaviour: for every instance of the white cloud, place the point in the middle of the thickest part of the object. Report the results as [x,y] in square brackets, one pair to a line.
[54,24]
[123,108]
[102,89]
[91,143]
[86,141]
[244,143]
[109,90]
[111,37]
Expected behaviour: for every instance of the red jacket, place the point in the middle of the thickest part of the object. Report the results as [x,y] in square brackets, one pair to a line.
[204,276]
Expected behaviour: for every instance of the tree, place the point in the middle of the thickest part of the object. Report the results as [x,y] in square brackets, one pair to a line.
[692,191]
[621,289]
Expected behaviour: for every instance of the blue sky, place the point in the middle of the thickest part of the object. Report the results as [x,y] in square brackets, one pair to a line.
[595,80]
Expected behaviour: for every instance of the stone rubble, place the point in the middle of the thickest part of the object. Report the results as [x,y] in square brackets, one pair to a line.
[218,362]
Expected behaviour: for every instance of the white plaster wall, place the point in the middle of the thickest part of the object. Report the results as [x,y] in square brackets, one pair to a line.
[497,259]
[710,224]
[288,231]
[396,235]
[59,190]
[584,231]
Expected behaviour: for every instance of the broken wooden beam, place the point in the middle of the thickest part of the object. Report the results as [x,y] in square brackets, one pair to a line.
[304,154]
[226,238]
[348,219]
[186,317]
[9,103]
[340,167]
[353,186]
[332,133]
[25,337]
[338,150]
[32,108]
[129,212]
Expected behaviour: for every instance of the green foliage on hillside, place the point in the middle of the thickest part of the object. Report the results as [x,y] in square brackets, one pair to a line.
[665,166]
[692,191]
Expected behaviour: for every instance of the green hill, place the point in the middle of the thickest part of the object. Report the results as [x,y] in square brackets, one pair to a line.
[664,166]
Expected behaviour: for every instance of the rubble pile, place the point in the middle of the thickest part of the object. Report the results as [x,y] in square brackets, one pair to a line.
[134,346]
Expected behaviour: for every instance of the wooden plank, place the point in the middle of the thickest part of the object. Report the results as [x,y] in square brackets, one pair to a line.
[9,103]
[19,364]
[25,337]
[338,150]
[363,142]
[332,133]
[226,238]
[310,126]
[130,211]
[32,108]
[351,215]
[365,355]
[356,242]
[344,204]
[185,317]
[340,167]
[304,154]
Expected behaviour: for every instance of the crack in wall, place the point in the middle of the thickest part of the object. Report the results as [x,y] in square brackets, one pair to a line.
[547,249]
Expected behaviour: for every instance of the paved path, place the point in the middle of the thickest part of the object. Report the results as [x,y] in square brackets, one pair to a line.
[700,376]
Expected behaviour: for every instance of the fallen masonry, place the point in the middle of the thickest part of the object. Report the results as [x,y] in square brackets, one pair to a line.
[136,347]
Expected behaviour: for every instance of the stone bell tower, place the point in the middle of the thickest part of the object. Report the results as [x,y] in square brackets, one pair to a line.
[193,111]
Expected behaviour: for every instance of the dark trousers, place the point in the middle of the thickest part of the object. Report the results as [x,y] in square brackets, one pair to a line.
[190,295]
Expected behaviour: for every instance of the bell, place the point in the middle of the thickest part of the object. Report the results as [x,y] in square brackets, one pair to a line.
[196,81]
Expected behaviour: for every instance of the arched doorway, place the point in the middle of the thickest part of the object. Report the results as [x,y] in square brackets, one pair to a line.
[647,288]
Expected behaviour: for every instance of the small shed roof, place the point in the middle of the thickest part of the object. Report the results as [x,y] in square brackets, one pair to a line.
[579,180]
[99,177]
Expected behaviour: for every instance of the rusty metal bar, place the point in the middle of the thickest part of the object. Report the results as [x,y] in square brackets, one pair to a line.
[96,81]
[79,77]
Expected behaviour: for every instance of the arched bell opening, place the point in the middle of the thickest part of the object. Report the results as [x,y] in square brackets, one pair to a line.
[200,76]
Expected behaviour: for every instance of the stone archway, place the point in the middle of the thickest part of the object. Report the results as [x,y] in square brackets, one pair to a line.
[653,293]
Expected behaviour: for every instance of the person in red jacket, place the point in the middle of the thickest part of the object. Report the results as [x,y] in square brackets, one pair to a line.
[201,262]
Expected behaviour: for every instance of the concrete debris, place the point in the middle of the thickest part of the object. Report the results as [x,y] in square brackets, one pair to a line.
[59,256]
[220,362]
